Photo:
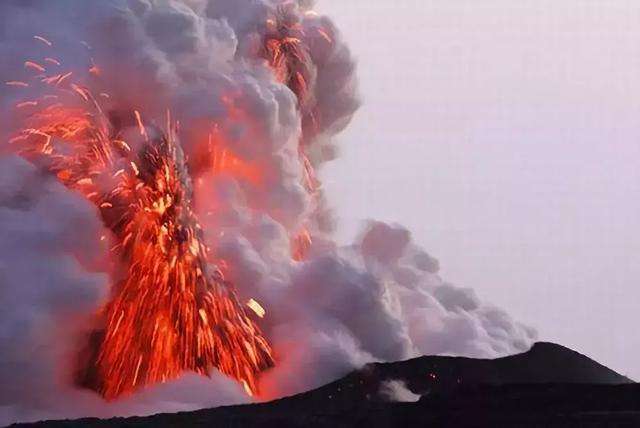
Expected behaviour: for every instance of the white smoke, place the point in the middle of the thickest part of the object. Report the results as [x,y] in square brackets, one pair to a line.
[397,391]
[380,299]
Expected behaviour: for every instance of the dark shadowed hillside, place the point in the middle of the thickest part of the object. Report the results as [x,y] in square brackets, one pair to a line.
[547,386]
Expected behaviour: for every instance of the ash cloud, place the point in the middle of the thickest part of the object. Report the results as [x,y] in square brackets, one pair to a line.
[380,299]
[45,292]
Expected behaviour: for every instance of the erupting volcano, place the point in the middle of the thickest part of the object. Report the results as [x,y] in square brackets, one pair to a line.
[162,211]
[171,309]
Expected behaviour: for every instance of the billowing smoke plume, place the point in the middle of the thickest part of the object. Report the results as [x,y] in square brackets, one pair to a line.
[328,311]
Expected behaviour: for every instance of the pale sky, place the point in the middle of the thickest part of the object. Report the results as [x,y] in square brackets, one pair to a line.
[506,135]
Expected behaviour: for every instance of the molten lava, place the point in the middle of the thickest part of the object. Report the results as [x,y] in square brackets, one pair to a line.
[288,55]
[171,310]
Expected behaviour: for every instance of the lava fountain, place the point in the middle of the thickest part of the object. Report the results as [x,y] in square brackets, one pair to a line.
[171,309]
[193,129]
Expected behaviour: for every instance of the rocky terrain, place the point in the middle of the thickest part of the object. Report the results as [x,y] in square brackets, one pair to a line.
[550,386]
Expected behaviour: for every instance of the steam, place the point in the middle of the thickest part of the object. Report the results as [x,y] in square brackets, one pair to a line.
[397,391]
[380,299]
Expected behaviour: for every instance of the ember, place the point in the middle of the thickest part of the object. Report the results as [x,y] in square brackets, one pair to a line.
[172,311]
[288,55]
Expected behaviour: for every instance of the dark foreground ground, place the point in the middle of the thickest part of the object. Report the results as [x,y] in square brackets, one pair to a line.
[549,386]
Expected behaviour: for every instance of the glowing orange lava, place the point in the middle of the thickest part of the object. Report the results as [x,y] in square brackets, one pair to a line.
[171,310]
[287,54]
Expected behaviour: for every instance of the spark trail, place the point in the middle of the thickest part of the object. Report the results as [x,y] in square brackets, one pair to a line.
[171,309]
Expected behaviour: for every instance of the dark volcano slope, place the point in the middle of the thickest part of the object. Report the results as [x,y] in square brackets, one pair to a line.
[544,363]
[549,385]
